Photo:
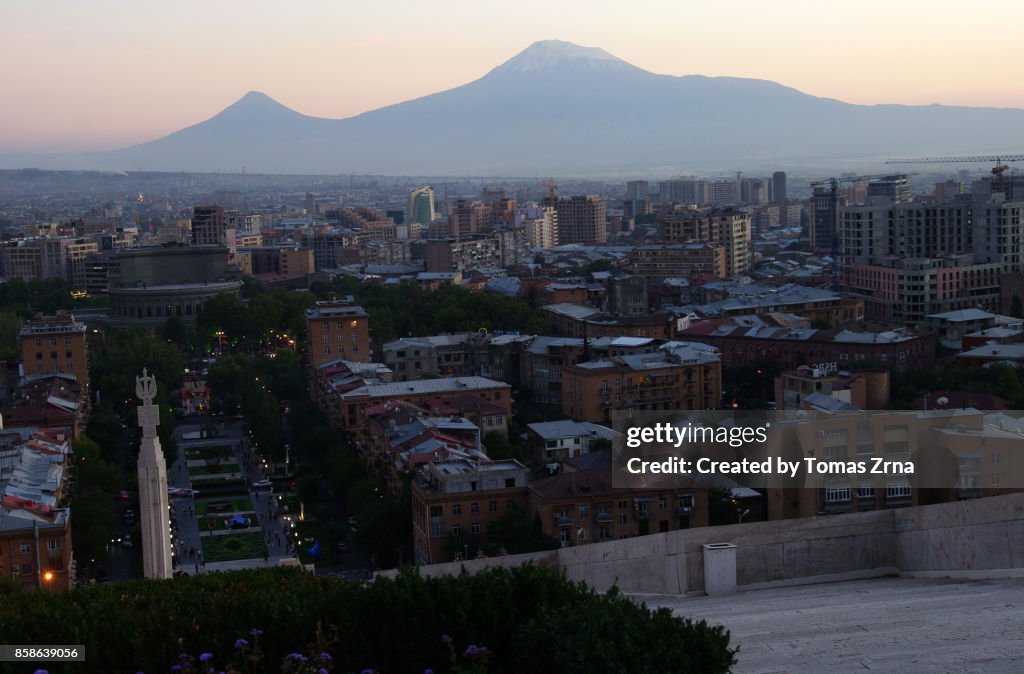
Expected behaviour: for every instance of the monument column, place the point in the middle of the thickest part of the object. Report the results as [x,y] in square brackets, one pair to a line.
[153,500]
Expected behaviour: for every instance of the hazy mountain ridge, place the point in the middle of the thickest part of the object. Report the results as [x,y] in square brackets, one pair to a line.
[557,107]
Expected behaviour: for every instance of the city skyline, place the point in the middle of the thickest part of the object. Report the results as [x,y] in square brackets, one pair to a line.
[111,75]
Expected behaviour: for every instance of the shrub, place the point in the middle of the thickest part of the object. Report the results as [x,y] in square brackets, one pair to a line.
[529,618]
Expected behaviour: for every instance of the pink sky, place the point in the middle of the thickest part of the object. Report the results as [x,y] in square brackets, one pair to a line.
[110,73]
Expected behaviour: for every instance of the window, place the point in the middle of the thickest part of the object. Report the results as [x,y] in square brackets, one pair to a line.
[474,508]
[605,533]
[623,505]
[457,530]
[836,495]
[26,548]
[474,528]
[510,482]
[997,479]
[39,343]
[584,510]
[897,491]
[436,530]
[563,537]
[53,544]
[436,511]
[662,503]
[509,504]
[492,506]
[866,491]
[456,509]
[623,519]
[67,341]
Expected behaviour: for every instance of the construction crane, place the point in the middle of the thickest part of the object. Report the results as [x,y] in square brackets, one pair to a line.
[997,170]
[550,184]
[834,183]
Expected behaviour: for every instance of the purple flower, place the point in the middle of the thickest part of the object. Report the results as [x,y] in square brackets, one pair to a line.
[324,657]
[203,657]
[175,668]
[428,671]
[255,632]
[40,671]
[241,643]
[470,650]
[368,671]
[297,657]
[321,671]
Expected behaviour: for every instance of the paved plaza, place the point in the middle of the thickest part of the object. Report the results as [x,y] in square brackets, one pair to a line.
[885,625]
[262,517]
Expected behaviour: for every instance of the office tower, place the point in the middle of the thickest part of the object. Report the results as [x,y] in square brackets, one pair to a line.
[895,188]
[778,187]
[825,203]
[466,218]
[754,190]
[911,260]
[421,205]
[542,232]
[208,226]
[581,219]
[727,227]
[637,190]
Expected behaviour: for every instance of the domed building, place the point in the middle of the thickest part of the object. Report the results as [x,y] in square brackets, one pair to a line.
[149,285]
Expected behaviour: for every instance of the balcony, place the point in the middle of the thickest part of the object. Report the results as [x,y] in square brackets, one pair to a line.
[643,514]
[603,518]
[564,521]
[684,511]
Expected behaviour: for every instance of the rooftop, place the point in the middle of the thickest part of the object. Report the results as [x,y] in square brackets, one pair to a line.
[424,386]
[962,315]
[884,624]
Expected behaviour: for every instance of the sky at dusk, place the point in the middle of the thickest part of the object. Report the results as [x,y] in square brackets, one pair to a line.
[109,73]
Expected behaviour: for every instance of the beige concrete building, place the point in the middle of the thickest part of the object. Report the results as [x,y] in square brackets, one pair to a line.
[55,344]
[337,329]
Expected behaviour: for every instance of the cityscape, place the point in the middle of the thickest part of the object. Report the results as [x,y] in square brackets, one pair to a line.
[495,376]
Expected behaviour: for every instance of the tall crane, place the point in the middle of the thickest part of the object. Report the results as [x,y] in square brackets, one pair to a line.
[834,183]
[550,184]
[997,170]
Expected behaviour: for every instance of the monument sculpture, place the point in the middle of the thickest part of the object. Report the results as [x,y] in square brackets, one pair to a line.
[153,500]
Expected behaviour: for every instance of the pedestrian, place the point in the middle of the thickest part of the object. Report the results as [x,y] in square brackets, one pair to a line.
[197,567]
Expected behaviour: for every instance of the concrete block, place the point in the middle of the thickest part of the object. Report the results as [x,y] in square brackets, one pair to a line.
[719,568]
[759,563]
[1015,543]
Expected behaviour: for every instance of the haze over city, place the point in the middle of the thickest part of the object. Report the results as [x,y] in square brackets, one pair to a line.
[575,337]
[105,75]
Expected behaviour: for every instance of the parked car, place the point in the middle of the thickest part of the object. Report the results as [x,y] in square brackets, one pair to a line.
[127,541]
[262,484]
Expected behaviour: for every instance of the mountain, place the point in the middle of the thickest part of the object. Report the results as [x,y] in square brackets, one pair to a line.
[559,108]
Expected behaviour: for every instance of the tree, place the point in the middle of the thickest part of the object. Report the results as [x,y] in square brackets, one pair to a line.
[174,331]
[10,328]
[514,533]
[498,447]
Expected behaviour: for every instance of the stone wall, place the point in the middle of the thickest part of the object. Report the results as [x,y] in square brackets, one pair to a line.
[967,536]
